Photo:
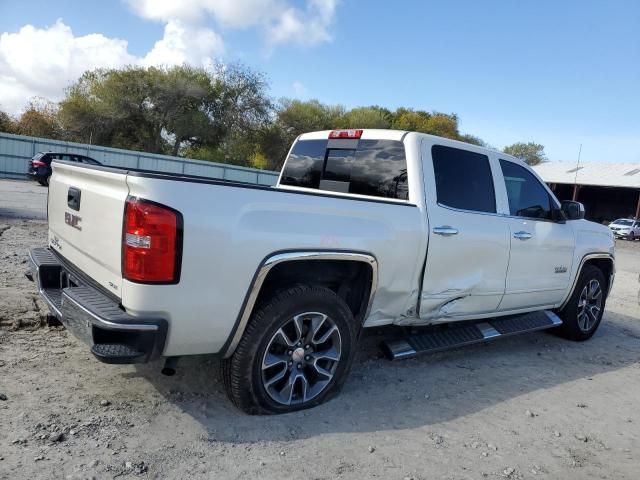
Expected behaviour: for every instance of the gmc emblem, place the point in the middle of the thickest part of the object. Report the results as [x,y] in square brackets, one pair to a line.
[72,220]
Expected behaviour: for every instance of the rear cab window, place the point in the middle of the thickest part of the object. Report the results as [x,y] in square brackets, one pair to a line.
[367,167]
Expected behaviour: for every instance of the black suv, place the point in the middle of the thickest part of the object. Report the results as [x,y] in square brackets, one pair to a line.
[40,164]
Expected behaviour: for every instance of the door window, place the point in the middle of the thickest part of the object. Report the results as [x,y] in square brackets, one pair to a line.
[527,197]
[463,179]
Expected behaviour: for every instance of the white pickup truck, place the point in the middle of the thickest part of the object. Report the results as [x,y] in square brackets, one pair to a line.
[365,228]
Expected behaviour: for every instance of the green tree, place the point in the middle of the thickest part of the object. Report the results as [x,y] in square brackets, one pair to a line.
[180,101]
[292,118]
[297,116]
[222,114]
[273,142]
[7,124]
[472,140]
[530,152]
[434,123]
[408,119]
[242,108]
[163,110]
[39,119]
[113,108]
[442,125]
[366,117]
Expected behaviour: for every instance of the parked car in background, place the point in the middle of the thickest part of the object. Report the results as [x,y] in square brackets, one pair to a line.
[626,228]
[40,164]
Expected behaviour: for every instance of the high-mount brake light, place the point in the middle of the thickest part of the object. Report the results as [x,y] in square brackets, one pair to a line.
[349,134]
[151,242]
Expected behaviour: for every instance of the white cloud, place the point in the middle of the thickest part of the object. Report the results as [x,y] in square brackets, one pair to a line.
[308,27]
[299,89]
[279,19]
[181,44]
[235,13]
[43,62]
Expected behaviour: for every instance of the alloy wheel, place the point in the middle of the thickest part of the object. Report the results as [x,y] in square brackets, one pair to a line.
[589,305]
[301,358]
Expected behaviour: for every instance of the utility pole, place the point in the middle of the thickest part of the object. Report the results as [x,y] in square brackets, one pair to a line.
[575,178]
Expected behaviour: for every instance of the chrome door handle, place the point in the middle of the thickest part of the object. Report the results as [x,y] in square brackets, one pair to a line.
[522,235]
[445,230]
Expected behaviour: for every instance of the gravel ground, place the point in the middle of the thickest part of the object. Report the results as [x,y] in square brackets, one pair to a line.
[19,199]
[533,406]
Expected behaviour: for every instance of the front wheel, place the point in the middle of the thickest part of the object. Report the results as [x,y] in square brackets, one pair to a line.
[632,236]
[583,313]
[295,353]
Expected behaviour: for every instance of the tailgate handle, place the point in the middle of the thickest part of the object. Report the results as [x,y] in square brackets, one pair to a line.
[73,198]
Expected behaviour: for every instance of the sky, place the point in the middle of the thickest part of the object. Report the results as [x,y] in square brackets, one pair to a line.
[562,74]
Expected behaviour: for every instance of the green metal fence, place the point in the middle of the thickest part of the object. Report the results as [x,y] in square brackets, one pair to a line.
[16,150]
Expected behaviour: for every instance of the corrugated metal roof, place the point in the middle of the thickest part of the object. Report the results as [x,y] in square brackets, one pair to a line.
[601,174]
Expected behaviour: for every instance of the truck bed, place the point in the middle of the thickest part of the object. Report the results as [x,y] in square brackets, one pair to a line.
[230,228]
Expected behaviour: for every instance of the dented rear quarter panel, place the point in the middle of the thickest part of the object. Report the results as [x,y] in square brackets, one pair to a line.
[229,232]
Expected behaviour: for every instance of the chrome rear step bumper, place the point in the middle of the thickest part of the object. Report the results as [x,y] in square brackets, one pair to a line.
[113,335]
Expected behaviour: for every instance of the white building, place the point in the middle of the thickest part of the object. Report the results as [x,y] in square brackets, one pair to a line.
[608,190]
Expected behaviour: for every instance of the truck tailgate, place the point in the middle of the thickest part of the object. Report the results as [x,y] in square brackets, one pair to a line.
[86,209]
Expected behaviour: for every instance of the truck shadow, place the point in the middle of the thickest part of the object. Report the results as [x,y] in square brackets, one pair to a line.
[384,395]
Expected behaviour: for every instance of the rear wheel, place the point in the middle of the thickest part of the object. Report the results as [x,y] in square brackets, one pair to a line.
[582,315]
[632,236]
[295,353]
[44,182]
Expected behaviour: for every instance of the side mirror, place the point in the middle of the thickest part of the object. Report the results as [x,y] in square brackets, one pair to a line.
[572,210]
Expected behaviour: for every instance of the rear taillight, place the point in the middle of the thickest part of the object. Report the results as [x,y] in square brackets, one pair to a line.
[38,163]
[354,134]
[151,242]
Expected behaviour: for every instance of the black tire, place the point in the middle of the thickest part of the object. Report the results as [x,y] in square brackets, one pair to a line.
[632,236]
[44,183]
[573,326]
[243,373]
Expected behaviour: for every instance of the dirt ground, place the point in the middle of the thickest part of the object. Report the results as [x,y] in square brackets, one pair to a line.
[533,406]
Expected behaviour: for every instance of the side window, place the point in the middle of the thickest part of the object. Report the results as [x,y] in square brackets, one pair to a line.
[527,197]
[89,161]
[463,179]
